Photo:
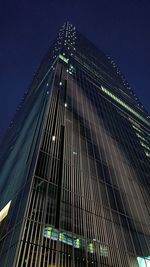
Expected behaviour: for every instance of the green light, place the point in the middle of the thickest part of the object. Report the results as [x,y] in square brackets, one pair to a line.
[63,58]
[61,236]
[77,243]
[49,231]
[70,239]
[118,100]
[91,247]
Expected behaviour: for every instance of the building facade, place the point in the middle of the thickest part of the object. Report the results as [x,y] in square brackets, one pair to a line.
[75,165]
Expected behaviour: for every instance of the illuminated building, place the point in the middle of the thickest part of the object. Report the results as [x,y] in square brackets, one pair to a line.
[75,165]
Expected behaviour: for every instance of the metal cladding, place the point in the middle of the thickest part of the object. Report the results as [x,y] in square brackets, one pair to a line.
[75,165]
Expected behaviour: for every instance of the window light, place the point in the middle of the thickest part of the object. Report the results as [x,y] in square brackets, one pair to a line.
[118,100]
[63,58]
[53,138]
[147,154]
[144,145]
[141,137]
[136,128]
[73,240]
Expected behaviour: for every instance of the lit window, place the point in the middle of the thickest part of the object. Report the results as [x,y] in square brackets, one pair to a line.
[144,145]
[136,128]
[91,247]
[141,137]
[72,240]
[63,58]
[124,105]
[147,154]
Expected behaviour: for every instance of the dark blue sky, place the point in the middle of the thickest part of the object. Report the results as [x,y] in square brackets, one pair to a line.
[28,27]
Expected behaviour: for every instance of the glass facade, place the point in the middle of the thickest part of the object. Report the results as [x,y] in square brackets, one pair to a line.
[75,165]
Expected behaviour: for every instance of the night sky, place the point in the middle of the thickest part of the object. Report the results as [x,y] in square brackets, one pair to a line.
[28,27]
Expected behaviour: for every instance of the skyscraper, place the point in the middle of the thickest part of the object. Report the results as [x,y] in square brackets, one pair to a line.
[75,165]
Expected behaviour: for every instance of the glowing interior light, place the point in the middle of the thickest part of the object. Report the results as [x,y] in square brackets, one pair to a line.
[72,240]
[47,84]
[104,250]
[134,122]
[49,231]
[147,154]
[4,211]
[63,58]
[65,105]
[118,100]
[137,129]
[141,137]
[77,243]
[143,262]
[144,145]
[60,83]
[61,236]
[53,138]
[91,247]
